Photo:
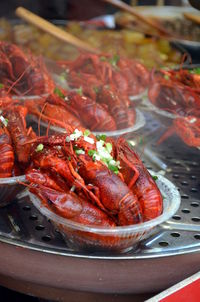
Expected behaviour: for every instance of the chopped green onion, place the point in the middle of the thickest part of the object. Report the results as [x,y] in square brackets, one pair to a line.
[63,76]
[1,85]
[109,147]
[195,70]
[92,152]
[80,91]
[79,151]
[155,177]
[114,60]
[86,132]
[141,140]
[59,92]
[113,168]
[4,120]
[166,77]
[103,59]
[69,158]
[101,137]
[88,139]
[39,148]
[96,89]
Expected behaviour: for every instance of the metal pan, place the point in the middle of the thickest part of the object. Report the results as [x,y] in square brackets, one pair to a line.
[34,255]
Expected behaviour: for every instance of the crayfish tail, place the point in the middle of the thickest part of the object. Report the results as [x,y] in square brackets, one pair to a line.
[130,211]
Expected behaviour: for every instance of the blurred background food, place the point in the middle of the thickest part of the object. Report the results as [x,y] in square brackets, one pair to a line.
[172,19]
[153,52]
[129,38]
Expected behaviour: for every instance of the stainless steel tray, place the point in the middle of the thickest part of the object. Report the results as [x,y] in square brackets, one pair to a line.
[33,252]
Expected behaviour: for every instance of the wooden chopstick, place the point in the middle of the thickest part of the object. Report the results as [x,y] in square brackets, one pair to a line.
[192,17]
[53,30]
[131,10]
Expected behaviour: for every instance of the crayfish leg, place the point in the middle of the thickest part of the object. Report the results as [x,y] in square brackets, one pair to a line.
[166,135]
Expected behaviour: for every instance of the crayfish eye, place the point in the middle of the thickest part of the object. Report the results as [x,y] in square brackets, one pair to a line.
[49,201]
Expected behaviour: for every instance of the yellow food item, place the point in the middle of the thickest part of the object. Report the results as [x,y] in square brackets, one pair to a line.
[150,51]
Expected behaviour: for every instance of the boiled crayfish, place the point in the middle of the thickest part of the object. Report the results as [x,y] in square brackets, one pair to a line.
[74,109]
[178,92]
[107,82]
[22,73]
[76,172]
[13,136]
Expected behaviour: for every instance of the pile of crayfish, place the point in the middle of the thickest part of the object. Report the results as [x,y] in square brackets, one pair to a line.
[178,92]
[106,83]
[98,98]
[90,71]
[89,179]
[92,180]
[14,155]
[23,74]
[63,107]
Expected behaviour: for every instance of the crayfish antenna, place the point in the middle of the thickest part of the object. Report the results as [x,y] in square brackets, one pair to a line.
[40,116]
[20,77]
[34,140]
[24,184]
[166,135]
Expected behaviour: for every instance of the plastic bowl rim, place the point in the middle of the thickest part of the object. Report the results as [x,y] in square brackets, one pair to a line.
[12,180]
[118,230]
[140,122]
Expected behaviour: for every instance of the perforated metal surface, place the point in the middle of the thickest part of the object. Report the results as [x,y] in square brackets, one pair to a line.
[21,224]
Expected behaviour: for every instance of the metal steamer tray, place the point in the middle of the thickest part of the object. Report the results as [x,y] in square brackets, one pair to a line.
[35,259]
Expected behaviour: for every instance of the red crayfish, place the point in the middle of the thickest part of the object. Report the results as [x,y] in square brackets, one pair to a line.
[72,109]
[22,73]
[124,195]
[7,153]
[173,92]
[13,136]
[178,92]
[109,81]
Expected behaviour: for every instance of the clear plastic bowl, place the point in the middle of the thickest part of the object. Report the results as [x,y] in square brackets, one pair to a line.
[118,239]
[164,113]
[9,188]
[139,123]
[136,99]
[165,117]
[29,97]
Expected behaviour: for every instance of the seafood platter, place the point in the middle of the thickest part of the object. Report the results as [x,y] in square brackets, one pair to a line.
[87,181]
